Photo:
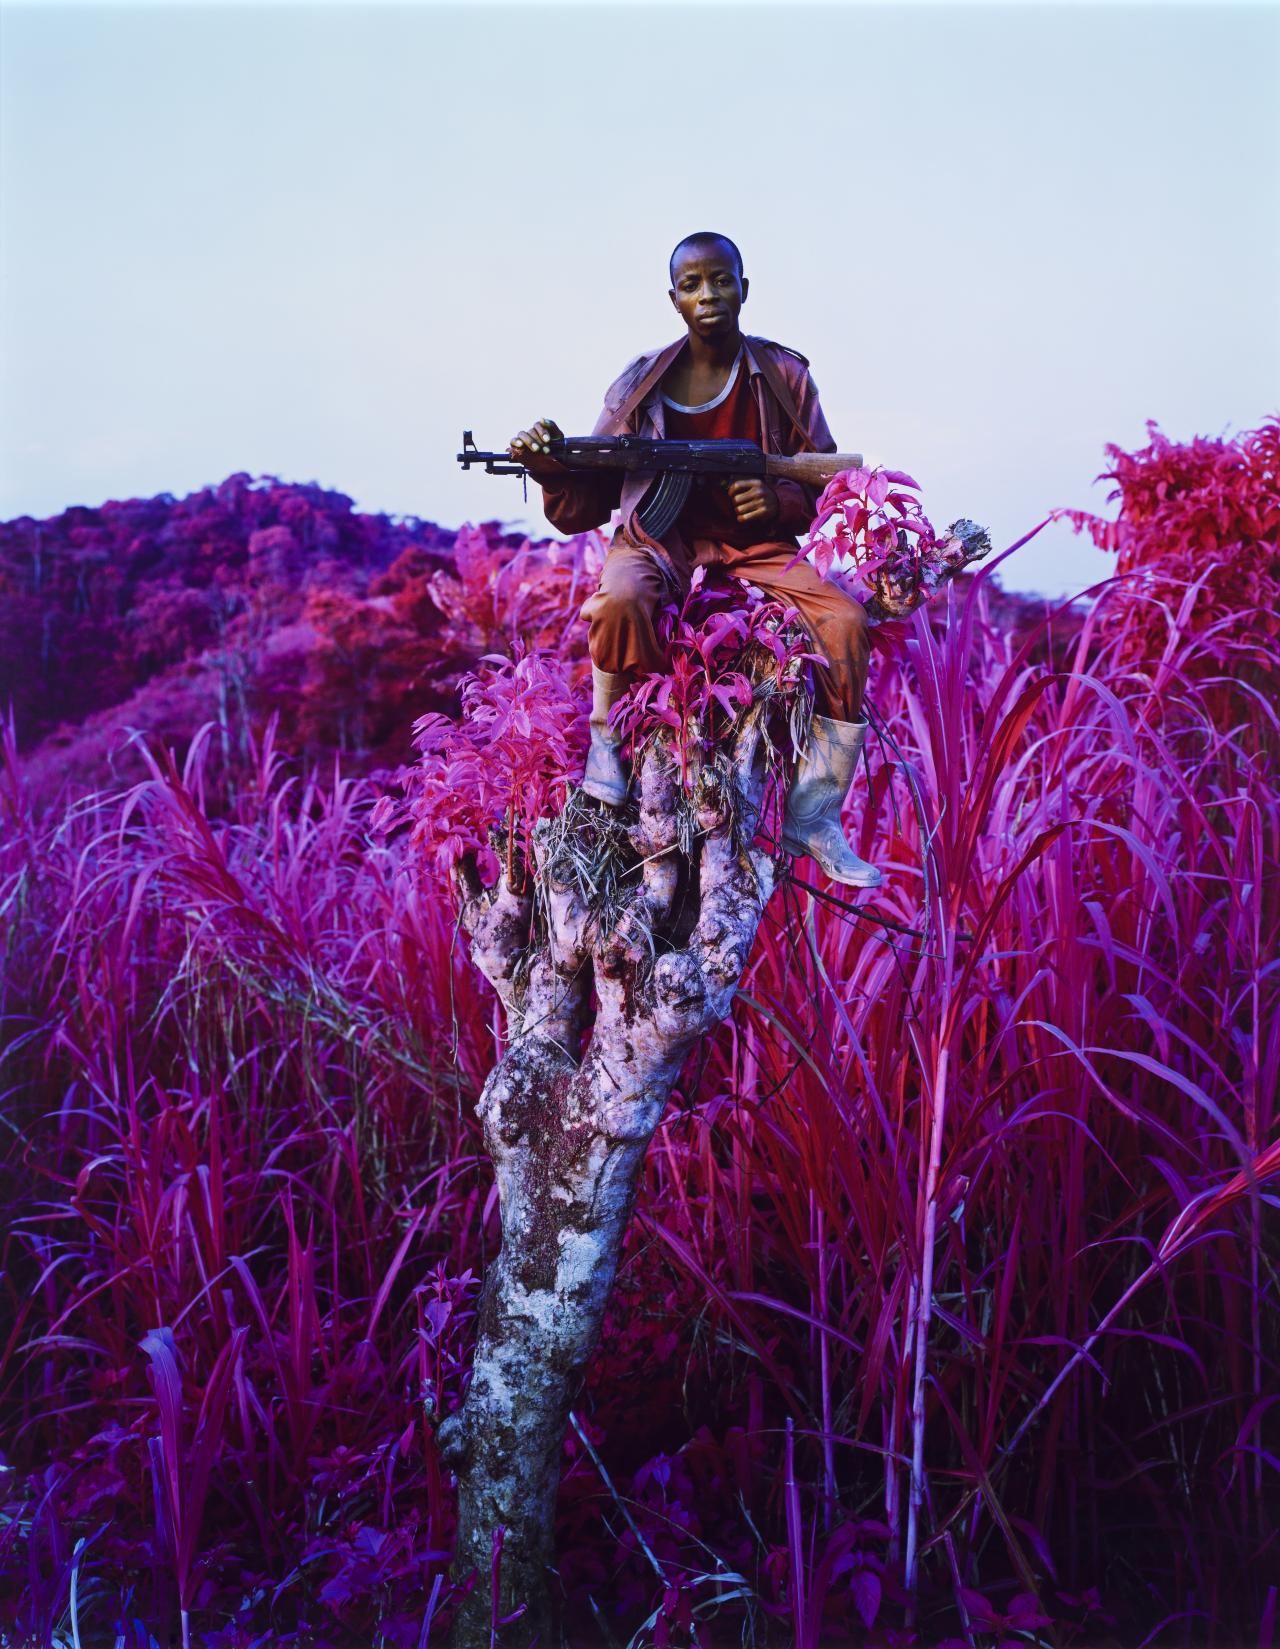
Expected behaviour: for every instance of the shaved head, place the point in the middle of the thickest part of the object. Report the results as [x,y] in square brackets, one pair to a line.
[704,239]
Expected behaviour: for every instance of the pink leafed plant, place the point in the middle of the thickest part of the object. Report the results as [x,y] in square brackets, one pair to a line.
[500,767]
[1198,528]
[870,527]
[726,647]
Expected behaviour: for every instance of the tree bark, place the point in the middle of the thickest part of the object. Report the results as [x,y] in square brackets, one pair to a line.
[661,918]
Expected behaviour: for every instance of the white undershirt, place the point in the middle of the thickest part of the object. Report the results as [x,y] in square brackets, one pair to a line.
[706,406]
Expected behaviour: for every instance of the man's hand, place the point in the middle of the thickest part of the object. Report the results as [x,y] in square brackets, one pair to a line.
[529,448]
[754,499]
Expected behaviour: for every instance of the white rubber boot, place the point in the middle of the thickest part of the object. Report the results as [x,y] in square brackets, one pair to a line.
[606,777]
[811,822]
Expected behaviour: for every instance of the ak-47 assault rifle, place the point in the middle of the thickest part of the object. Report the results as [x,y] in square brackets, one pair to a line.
[674,464]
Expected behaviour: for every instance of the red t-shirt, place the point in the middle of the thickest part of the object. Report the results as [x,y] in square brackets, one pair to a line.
[733,414]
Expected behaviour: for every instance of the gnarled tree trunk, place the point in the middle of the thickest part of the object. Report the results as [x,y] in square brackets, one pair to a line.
[662,919]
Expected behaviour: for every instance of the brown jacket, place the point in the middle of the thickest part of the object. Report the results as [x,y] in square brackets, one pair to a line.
[633,406]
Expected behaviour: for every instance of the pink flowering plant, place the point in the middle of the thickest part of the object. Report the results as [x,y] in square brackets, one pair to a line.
[890,555]
[485,779]
[725,654]
[493,590]
[1198,529]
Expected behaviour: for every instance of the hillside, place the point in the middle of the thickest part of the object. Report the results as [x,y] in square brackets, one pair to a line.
[251,596]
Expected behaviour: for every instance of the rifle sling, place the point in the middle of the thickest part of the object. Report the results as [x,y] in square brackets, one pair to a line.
[647,381]
[782,395]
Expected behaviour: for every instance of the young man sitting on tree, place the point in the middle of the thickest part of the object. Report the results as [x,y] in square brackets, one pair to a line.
[715,383]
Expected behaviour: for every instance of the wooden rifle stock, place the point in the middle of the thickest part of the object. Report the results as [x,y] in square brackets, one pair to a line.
[814,469]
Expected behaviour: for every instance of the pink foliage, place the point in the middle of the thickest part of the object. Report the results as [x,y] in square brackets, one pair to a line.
[869,518]
[719,632]
[1199,524]
[521,737]
[531,591]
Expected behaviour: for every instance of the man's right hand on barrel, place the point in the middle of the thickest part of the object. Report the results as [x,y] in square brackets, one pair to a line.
[529,448]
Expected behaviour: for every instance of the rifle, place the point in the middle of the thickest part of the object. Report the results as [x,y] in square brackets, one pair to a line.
[674,464]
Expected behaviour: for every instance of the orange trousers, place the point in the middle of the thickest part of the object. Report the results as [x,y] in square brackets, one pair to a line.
[620,615]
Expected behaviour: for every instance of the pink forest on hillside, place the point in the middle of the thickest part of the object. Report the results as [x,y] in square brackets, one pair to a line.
[981,1172]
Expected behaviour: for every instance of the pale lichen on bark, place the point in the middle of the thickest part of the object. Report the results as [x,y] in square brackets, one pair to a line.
[638,934]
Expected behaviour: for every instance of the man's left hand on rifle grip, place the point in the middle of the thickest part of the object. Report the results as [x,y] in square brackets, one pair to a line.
[529,447]
[754,499]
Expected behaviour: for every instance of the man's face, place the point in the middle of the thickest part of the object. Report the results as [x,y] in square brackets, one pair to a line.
[708,291]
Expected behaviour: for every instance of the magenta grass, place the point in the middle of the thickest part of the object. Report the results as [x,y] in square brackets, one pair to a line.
[949,1312]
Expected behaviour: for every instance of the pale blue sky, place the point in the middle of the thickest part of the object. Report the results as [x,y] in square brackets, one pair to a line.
[318,241]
